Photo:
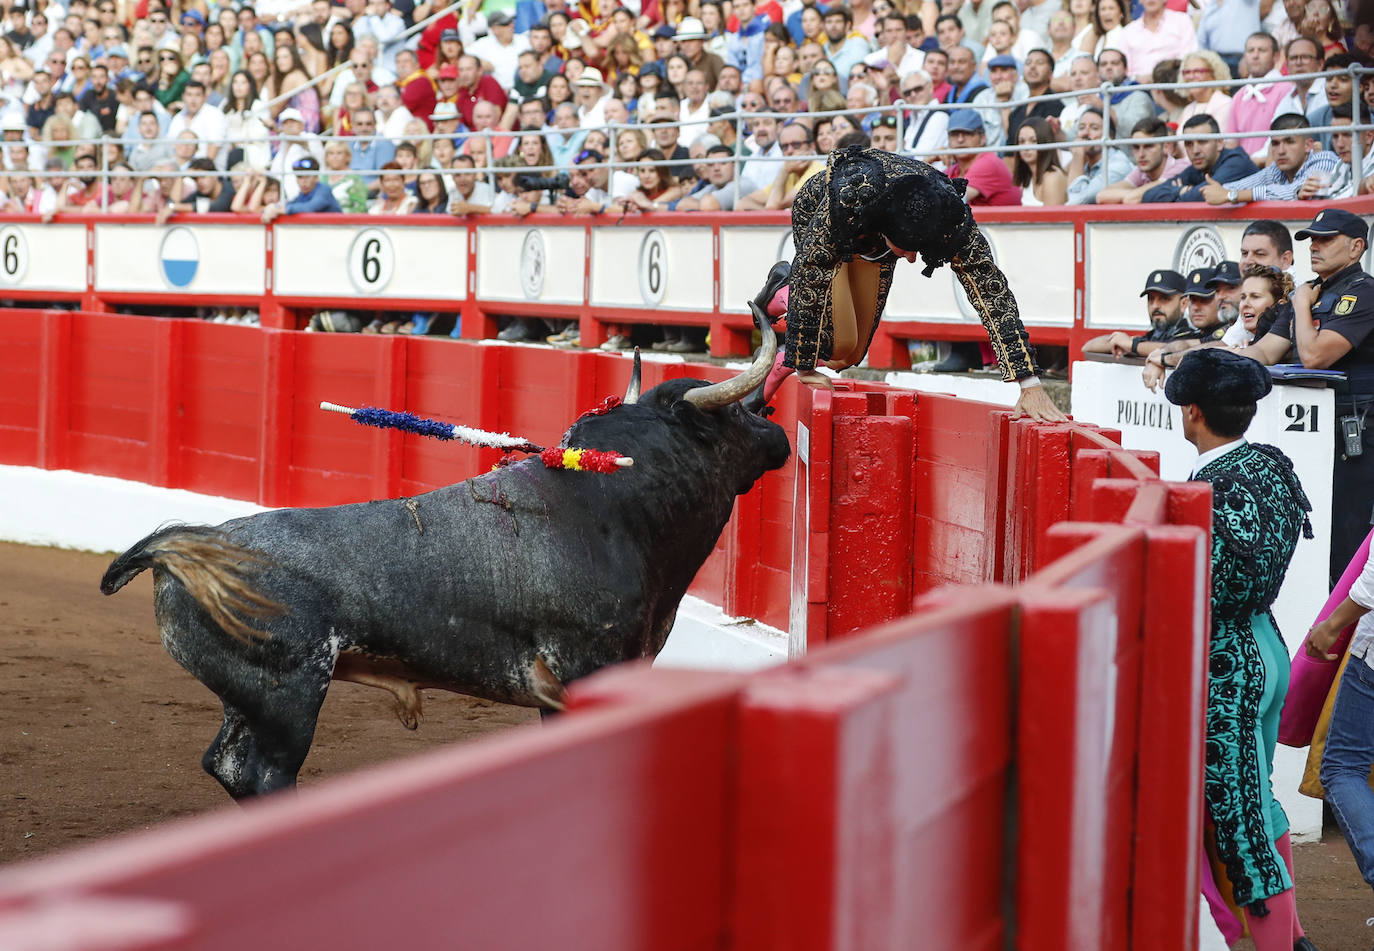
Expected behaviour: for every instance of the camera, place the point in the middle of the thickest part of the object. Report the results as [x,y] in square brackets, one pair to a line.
[540,183]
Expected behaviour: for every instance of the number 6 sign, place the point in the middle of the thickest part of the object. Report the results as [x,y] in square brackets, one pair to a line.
[371,261]
[653,268]
[14,255]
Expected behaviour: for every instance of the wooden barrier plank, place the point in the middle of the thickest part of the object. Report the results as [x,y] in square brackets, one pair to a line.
[1066,802]
[54,414]
[491,845]
[109,414]
[1174,695]
[1111,558]
[221,404]
[930,874]
[21,373]
[871,537]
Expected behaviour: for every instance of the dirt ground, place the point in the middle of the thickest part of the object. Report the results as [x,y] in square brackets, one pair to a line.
[101,732]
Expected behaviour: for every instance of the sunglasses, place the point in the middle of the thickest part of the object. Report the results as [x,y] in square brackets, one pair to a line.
[794,146]
[913,90]
[168,59]
[824,72]
[157,19]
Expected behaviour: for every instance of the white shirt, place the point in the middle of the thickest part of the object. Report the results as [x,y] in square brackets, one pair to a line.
[757,173]
[503,59]
[595,117]
[483,195]
[394,126]
[1211,455]
[280,168]
[927,134]
[1362,593]
[912,59]
[209,125]
[699,118]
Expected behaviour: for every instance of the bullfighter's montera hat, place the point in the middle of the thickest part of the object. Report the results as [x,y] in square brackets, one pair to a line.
[1216,375]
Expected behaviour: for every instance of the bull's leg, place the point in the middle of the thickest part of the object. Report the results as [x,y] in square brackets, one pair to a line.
[260,754]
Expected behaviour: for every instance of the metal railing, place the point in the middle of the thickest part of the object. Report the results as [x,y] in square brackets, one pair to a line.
[612,163]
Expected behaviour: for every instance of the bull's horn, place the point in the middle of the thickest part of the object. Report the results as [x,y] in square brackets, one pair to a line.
[716,395]
[632,391]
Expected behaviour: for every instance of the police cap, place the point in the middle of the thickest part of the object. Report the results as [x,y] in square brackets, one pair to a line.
[1226,272]
[1165,282]
[1199,282]
[1331,221]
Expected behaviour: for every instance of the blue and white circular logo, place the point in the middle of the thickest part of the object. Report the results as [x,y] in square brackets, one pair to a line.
[180,257]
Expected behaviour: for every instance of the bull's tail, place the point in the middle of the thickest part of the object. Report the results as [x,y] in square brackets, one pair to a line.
[215,571]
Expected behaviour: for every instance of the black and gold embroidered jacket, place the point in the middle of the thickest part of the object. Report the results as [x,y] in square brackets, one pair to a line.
[864,195]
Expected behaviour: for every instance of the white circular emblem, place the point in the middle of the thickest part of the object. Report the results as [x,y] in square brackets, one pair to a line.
[371,261]
[960,297]
[653,268]
[14,255]
[179,256]
[1201,246]
[532,265]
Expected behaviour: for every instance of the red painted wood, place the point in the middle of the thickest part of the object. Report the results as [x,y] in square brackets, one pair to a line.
[886,836]
[871,527]
[1066,896]
[23,368]
[1174,692]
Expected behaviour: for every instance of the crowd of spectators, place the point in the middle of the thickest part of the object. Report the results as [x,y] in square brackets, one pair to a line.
[513,106]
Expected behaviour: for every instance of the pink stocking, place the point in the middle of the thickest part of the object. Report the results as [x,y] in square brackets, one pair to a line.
[1285,847]
[775,377]
[1227,923]
[1275,931]
[778,305]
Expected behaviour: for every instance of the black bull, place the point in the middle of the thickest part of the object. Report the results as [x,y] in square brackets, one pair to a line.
[506,586]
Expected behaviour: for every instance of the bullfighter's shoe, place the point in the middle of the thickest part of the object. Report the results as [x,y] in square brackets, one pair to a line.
[778,276]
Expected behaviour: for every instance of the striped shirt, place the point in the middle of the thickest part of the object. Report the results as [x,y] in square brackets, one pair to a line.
[1269,184]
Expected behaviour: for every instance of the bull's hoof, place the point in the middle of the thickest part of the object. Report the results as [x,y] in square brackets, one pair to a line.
[408,707]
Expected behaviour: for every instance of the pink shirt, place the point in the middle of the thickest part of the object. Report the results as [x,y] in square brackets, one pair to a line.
[990,176]
[1172,167]
[1175,38]
[1252,110]
[1218,107]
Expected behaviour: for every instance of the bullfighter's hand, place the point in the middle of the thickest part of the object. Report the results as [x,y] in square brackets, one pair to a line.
[1036,404]
[815,378]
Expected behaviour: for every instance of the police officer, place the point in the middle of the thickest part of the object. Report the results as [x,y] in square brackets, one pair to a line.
[1226,281]
[1332,327]
[1164,300]
[1206,323]
[1204,310]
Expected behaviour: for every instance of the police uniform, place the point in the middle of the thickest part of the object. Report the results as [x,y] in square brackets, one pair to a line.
[1165,282]
[1346,305]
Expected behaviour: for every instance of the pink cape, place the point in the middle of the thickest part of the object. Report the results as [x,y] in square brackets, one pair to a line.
[1309,678]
